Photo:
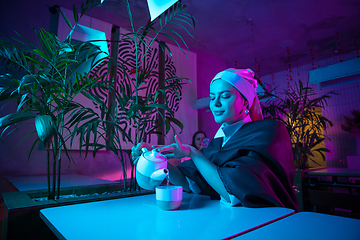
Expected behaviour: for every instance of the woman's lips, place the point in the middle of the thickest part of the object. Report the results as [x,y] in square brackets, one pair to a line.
[218,113]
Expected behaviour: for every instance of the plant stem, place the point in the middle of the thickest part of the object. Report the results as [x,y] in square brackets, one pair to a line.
[123,169]
[54,167]
[48,170]
[136,67]
[132,182]
[115,33]
[59,170]
[59,145]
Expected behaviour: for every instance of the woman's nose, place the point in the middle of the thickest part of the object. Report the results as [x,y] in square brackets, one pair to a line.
[217,102]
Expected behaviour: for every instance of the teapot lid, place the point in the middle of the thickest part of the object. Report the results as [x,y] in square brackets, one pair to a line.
[154,156]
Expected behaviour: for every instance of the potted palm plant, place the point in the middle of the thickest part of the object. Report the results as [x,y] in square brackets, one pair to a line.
[352,124]
[42,95]
[147,110]
[299,108]
[45,92]
[50,82]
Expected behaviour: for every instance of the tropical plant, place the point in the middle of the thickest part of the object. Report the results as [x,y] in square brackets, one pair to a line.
[352,124]
[300,110]
[49,83]
[45,91]
[133,102]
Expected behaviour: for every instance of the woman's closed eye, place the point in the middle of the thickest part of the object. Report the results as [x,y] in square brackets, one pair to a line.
[226,95]
[223,95]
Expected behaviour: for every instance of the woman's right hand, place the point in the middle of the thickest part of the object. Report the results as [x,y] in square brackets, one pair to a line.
[136,151]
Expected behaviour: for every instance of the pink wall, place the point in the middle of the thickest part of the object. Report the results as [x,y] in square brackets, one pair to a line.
[208,67]
[14,157]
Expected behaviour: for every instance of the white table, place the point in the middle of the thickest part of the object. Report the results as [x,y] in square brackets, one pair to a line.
[309,226]
[140,218]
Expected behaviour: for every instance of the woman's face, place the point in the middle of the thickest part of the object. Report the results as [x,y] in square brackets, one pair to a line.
[198,140]
[226,102]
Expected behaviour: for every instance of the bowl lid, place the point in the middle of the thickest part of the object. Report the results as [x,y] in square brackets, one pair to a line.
[154,156]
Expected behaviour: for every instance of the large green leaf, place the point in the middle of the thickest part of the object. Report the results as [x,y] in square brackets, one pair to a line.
[14,118]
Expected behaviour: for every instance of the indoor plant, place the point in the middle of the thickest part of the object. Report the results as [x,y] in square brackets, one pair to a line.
[44,91]
[147,110]
[46,88]
[352,124]
[46,73]
[299,110]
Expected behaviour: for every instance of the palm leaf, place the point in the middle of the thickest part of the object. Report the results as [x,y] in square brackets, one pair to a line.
[14,118]
[66,19]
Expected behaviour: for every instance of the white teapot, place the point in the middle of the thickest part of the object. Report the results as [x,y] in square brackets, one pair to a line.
[151,169]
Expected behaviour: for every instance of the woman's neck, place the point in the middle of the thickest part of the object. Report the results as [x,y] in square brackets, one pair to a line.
[241,118]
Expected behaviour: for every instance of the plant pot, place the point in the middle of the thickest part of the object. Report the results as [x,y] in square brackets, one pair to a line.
[21,218]
[298,187]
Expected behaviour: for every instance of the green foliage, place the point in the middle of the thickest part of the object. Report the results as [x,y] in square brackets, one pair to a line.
[45,91]
[128,101]
[352,124]
[300,111]
[50,82]
[45,88]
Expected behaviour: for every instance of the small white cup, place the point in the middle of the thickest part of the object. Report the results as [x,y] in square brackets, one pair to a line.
[169,197]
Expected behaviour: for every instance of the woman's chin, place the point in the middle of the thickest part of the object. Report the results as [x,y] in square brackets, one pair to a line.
[218,120]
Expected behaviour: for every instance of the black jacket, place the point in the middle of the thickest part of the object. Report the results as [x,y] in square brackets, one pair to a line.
[256,165]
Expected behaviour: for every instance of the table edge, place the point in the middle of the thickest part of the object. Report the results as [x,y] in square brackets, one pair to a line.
[260,226]
[51,227]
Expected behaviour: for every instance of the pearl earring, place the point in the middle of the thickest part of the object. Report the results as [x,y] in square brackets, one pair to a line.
[246,111]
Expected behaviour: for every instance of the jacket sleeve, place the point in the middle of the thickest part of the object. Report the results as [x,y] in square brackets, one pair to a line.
[190,171]
[259,166]
[250,180]
[256,166]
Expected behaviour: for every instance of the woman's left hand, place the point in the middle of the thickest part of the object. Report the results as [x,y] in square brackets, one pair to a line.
[176,150]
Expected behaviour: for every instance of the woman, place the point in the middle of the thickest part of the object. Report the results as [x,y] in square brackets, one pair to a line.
[198,139]
[249,162]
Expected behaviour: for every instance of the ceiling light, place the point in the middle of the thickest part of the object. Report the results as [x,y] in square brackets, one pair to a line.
[157,7]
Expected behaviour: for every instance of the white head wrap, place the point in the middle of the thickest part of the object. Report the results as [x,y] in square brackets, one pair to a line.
[242,79]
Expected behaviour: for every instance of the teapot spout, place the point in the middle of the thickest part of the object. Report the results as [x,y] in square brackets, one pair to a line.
[158,176]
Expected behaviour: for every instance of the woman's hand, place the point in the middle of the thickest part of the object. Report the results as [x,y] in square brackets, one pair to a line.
[176,150]
[136,151]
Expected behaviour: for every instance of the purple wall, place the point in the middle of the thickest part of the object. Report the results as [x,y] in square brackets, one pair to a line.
[342,143]
[20,15]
